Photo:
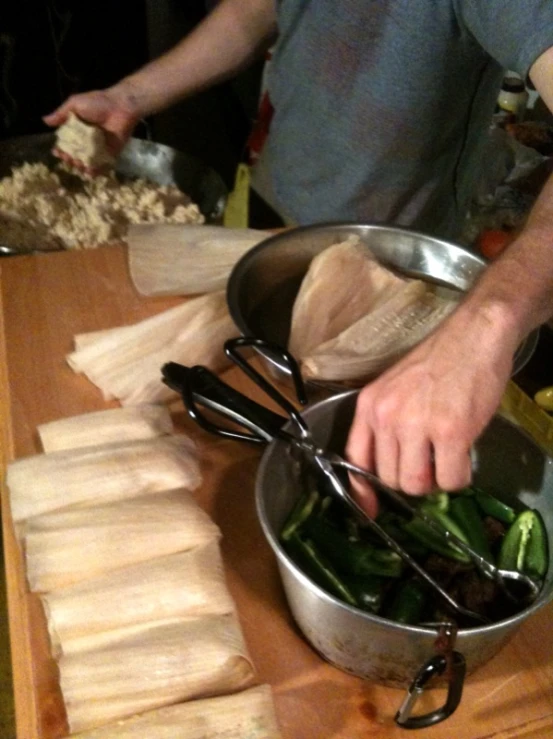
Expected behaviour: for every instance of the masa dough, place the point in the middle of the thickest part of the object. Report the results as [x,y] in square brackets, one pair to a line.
[42,207]
[85,143]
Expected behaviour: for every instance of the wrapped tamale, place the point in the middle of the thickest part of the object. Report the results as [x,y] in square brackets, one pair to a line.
[154,666]
[144,421]
[99,474]
[76,544]
[190,583]
[249,713]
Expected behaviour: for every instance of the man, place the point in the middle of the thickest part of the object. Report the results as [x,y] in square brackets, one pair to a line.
[380,109]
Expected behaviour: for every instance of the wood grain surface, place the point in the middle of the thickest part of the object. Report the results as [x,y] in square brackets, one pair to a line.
[45,301]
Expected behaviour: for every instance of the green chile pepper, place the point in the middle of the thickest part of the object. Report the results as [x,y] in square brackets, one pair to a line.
[317,567]
[524,546]
[492,506]
[392,523]
[466,513]
[420,530]
[354,557]
[368,591]
[304,507]
[440,499]
[408,603]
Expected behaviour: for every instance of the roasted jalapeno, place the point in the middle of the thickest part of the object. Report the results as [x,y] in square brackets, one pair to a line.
[466,513]
[368,591]
[492,506]
[408,603]
[393,523]
[524,546]
[354,557]
[305,505]
[318,567]
[420,530]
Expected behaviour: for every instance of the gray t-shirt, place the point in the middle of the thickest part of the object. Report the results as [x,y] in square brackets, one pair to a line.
[381,105]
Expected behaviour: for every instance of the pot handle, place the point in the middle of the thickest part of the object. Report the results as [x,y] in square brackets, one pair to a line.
[436,665]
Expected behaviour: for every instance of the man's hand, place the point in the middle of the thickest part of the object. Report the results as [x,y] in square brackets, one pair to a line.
[415,425]
[112,110]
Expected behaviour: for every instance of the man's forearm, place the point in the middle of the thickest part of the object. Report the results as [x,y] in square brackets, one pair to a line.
[517,288]
[226,41]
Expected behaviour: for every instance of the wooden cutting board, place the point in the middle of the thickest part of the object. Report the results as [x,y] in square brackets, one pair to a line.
[44,301]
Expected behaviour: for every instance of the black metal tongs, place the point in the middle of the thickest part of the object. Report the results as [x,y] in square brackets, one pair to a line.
[201,388]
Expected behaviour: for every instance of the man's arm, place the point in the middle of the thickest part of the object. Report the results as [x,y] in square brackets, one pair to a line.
[226,41]
[416,423]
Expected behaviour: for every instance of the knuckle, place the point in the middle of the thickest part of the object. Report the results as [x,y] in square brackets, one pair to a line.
[453,479]
[448,430]
[455,471]
[417,481]
[388,477]
[385,412]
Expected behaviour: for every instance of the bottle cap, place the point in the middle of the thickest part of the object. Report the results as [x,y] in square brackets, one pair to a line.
[512,84]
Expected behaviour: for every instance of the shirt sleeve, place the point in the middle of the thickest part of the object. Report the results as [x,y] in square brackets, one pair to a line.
[513,32]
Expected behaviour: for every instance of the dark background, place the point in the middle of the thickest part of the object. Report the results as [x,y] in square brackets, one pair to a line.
[50,49]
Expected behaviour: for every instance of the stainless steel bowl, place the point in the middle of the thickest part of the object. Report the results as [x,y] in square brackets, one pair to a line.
[507,463]
[264,283]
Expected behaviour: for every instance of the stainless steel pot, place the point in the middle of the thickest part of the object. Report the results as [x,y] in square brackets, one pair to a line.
[507,463]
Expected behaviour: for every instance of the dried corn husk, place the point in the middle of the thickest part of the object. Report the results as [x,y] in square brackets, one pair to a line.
[380,338]
[152,667]
[342,284]
[75,544]
[125,362]
[82,340]
[105,427]
[188,583]
[99,474]
[249,714]
[169,259]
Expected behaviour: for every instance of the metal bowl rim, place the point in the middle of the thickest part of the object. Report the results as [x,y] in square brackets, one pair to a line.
[243,263]
[521,357]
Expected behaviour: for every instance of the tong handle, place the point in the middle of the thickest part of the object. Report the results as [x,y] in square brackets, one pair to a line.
[198,386]
[233,349]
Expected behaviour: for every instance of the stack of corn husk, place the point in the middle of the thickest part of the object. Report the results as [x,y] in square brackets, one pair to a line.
[353,317]
[167,259]
[125,362]
[129,571]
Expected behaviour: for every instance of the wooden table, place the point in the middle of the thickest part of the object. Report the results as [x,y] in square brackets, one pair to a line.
[47,299]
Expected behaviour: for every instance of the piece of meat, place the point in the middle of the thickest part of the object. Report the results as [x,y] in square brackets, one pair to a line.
[443,570]
[495,530]
[477,593]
